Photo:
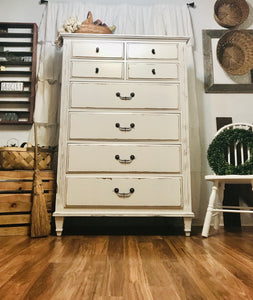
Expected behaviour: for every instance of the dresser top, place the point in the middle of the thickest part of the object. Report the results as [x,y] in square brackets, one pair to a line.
[125,37]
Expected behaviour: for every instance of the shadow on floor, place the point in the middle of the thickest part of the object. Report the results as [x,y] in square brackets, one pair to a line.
[124,226]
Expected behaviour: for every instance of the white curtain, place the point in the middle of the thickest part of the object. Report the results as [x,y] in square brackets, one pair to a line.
[149,17]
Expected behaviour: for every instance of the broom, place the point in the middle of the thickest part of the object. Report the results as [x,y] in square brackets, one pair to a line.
[40,222]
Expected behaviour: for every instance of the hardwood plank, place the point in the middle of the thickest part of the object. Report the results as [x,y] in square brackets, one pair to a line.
[239,267]
[22,280]
[159,276]
[127,267]
[136,275]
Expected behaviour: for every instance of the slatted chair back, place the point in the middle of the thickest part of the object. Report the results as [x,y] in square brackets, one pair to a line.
[237,153]
[233,166]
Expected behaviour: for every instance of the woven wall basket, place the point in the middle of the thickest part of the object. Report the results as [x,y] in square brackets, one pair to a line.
[22,158]
[235,52]
[230,13]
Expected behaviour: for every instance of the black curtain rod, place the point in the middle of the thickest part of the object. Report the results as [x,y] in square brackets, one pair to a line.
[191,4]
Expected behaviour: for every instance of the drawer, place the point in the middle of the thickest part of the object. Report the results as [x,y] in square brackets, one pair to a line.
[120,95]
[152,71]
[97,49]
[95,69]
[124,126]
[152,51]
[123,191]
[123,158]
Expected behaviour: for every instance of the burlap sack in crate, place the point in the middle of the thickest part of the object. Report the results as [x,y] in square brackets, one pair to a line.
[22,158]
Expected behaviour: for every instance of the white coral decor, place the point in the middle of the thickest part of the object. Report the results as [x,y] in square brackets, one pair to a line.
[71,24]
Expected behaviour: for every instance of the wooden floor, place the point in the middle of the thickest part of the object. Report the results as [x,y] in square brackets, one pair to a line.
[128,267]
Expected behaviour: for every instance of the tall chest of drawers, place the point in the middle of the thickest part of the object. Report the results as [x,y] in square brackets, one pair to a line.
[123,141]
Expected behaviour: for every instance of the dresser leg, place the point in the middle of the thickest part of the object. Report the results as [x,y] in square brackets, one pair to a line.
[187,226]
[59,225]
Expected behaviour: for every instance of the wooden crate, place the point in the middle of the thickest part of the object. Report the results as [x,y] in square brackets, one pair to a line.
[16,200]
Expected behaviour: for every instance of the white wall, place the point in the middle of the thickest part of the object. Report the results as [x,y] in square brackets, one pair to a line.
[237,106]
[28,11]
[210,106]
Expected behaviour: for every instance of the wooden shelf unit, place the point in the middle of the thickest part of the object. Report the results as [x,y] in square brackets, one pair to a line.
[16,199]
[18,55]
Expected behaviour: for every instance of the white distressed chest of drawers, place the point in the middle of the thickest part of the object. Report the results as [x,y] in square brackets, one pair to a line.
[123,142]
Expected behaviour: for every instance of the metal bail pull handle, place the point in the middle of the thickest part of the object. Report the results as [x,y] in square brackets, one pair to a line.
[125,97]
[124,195]
[132,125]
[125,161]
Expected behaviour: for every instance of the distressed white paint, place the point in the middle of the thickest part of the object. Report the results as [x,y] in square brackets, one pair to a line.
[154,130]
[89,95]
[101,158]
[152,70]
[97,50]
[99,191]
[94,69]
[102,125]
[152,51]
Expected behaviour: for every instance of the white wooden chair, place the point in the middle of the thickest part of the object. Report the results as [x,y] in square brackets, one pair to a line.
[237,155]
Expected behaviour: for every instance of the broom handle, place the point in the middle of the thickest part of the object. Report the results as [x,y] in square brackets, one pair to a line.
[36,147]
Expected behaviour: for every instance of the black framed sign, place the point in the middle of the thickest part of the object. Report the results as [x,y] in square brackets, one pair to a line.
[216,80]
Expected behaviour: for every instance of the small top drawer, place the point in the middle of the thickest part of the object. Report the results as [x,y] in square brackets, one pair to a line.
[97,69]
[152,51]
[97,49]
[156,70]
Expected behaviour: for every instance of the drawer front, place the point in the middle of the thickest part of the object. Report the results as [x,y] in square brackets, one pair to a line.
[113,95]
[124,158]
[125,126]
[152,71]
[97,49]
[93,69]
[152,51]
[123,191]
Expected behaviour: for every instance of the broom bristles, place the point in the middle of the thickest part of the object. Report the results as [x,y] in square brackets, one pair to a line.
[40,222]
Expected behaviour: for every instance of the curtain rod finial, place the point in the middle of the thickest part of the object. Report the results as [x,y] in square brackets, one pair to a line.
[191,4]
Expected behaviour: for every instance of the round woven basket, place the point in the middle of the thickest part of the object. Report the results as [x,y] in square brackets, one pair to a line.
[230,13]
[235,52]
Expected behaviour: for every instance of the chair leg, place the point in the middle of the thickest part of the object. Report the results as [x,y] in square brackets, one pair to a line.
[209,212]
[218,215]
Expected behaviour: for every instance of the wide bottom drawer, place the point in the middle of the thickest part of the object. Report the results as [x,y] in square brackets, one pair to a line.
[123,191]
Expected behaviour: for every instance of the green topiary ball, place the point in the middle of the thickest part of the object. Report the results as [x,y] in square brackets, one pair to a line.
[216,153]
